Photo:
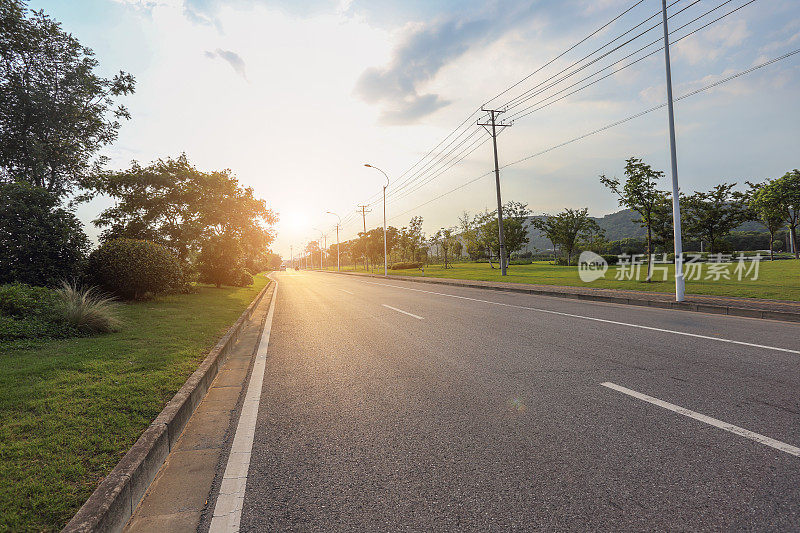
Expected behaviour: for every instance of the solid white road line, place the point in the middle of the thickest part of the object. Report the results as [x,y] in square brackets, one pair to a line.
[559,313]
[228,509]
[348,292]
[404,312]
[761,439]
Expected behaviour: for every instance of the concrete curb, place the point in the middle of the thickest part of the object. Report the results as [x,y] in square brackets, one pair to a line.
[785,316]
[112,503]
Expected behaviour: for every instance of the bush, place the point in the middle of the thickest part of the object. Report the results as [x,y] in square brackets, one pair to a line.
[18,300]
[405,265]
[31,312]
[135,269]
[611,259]
[243,279]
[87,310]
[41,243]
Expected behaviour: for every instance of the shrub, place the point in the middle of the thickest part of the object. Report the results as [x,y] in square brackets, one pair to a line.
[41,243]
[611,259]
[88,310]
[134,269]
[243,279]
[405,265]
[31,312]
[18,300]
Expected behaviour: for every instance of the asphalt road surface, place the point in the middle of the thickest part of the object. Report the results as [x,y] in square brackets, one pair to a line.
[400,406]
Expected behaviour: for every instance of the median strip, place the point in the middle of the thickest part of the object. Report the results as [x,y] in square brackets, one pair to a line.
[761,439]
[404,312]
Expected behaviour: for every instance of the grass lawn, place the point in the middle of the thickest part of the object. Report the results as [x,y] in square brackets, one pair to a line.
[70,409]
[777,279]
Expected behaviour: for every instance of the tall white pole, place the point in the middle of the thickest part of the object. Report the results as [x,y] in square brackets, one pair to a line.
[385,260]
[676,202]
[385,257]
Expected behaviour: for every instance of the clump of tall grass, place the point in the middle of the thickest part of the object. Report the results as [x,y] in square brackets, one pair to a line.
[87,309]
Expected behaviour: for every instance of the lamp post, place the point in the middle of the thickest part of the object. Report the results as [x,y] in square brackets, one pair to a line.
[337,238]
[385,259]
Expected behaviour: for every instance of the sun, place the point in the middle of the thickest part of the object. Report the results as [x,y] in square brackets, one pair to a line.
[295,219]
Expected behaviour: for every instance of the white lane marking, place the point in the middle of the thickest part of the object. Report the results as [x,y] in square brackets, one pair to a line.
[404,312]
[761,439]
[559,313]
[348,292]
[228,509]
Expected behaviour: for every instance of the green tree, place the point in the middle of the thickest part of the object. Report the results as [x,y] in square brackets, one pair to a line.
[219,261]
[639,192]
[569,229]
[764,201]
[712,215]
[515,229]
[445,240]
[788,187]
[173,203]
[56,112]
[40,242]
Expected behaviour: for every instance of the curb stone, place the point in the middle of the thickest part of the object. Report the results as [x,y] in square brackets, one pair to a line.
[746,312]
[113,501]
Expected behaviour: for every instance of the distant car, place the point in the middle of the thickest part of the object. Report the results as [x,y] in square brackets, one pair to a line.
[283,267]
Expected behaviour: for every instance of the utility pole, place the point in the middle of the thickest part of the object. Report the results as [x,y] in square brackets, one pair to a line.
[676,203]
[493,113]
[338,225]
[364,212]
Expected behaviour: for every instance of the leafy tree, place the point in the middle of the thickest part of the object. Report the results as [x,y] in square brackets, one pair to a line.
[515,229]
[569,228]
[218,262]
[56,113]
[712,215]
[40,243]
[641,194]
[445,239]
[788,187]
[173,203]
[764,201]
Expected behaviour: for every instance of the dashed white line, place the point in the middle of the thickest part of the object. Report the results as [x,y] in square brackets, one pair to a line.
[228,509]
[348,292]
[761,439]
[603,320]
[404,312]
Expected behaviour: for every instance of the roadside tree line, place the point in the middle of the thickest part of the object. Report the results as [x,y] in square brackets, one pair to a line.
[708,218]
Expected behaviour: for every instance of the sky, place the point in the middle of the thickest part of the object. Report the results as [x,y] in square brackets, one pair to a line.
[294,97]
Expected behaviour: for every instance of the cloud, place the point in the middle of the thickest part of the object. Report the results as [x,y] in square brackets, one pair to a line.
[713,42]
[232,58]
[423,50]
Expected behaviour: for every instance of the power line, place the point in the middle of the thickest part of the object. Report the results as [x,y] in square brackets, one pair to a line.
[532,108]
[530,93]
[607,127]
[512,103]
[565,52]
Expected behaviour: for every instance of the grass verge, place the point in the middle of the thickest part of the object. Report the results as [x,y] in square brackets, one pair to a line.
[71,408]
[779,280]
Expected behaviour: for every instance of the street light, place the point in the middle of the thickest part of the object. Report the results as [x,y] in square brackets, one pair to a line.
[385,260]
[337,237]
